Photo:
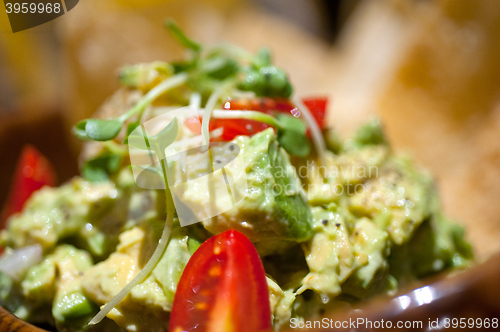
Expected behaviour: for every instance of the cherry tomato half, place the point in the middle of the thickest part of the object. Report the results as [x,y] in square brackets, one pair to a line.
[33,171]
[223,289]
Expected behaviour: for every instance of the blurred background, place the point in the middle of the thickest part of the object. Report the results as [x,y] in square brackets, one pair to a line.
[429,69]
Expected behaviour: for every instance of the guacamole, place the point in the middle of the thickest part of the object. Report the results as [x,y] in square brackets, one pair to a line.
[334,220]
[320,247]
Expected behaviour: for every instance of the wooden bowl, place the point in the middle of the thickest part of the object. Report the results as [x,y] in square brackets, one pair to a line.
[10,323]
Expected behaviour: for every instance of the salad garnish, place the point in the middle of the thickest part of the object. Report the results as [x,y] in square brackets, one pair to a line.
[214,72]
[211,74]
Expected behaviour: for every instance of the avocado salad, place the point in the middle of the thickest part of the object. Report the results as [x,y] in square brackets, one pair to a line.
[333,220]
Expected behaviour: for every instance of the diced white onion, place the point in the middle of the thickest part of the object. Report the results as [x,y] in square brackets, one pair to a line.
[17,262]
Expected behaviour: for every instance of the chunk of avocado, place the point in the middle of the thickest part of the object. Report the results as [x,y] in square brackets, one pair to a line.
[39,282]
[71,211]
[329,253]
[275,212]
[57,282]
[371,248]
[291,210]
[433,247]
[370,133]
[69,301]
[146,307]
[400,198]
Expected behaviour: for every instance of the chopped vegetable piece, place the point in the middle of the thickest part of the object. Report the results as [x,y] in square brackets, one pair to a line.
[267,81]
[274,214]
[317,106]
[235,127]
[223,288]
[33,171]
[16,262]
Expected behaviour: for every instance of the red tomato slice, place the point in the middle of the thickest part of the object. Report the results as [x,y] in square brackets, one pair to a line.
[235,127]
[223,289]
[33,171]
[317,106]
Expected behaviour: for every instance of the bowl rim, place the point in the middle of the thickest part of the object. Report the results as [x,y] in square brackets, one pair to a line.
[445,289]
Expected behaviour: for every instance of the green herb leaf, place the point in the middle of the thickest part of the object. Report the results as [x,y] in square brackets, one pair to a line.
[252,80]
[103,130]
[181,37]
[289,122]
[295,144]
[100,168]
[139,140]
[165,137]
[157,143]
[220,68]
[276,82]
[151,176]
[79,130]
[292,136]
[370,133]
[181,66]
[130,128]
[267,81]
[263,57]
[94,174]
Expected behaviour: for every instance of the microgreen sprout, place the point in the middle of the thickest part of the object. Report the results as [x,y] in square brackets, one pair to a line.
[181,37]
[319,142]
[291,130]
[156,145]
[105,130]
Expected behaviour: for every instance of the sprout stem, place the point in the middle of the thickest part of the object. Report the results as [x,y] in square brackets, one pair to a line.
[150,265]
[207,114]
[249,115]
[318,140]
[154,93]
